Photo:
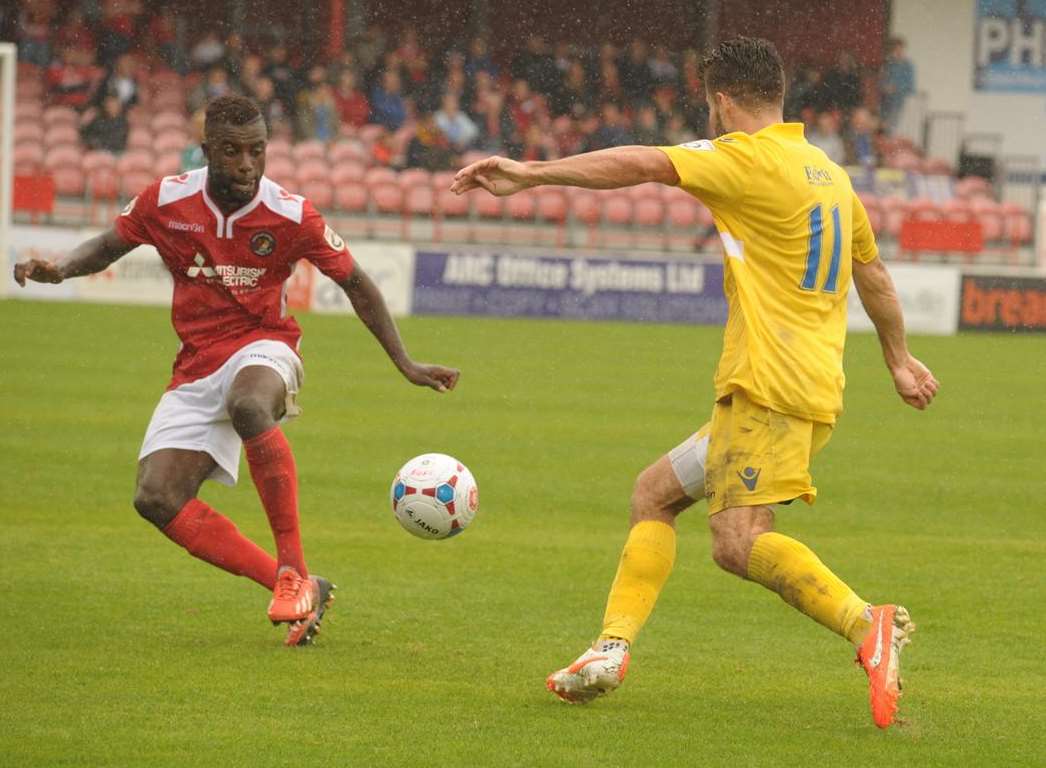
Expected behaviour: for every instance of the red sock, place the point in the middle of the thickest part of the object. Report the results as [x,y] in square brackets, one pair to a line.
[216,540]
[276,478]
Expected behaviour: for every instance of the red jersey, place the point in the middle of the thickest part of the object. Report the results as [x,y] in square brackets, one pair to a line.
[230,272]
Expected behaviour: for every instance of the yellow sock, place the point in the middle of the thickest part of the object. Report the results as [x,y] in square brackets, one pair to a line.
[646,561]
[789,568]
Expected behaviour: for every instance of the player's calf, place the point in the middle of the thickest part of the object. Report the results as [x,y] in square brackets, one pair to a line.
[734,532]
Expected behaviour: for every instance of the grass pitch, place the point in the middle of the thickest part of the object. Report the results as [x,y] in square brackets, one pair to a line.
[121,650]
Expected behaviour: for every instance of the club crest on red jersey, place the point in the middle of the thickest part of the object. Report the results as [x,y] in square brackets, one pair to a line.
[263,243]
[333,239]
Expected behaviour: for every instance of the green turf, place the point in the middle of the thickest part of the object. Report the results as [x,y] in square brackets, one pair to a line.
[120,650]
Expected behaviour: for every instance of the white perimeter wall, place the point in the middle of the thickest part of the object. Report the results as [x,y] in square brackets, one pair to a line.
[940,36]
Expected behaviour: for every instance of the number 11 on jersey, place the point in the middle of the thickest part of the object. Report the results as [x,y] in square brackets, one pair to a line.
[813,254]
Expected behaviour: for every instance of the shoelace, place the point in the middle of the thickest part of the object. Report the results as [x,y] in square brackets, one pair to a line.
[287,586]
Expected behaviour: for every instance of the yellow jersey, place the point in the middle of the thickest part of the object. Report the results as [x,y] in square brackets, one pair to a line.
[790,224]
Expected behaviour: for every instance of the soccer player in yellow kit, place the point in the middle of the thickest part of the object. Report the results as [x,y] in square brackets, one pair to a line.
[794,233]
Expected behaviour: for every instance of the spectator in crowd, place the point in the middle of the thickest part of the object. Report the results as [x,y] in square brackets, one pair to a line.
[108,130]
[234,56]
[118,29]
[73,79]
[860,138]
[74,32]
[429,148]
[454,78]
[536,66]
[842,84]
[387,107]
[525,107]
[163,33]
[663,70]
[806,94]
[612,132]
[493,117]
[33,27]
[479,59]
[284,78]
[568,137]
[575,96]
[825,135]
[352,104]
[121,82]
[636,77]
[250,71]
[192,155]
[209,51]
[383,151]
[370,47]
[459,129]
[317,111]
[215,84]
[537,145]
[272,109]
[610,88]
[678,132]
[896,85]
[647,130]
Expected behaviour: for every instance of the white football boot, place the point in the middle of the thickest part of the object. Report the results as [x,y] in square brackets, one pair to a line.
[597,672]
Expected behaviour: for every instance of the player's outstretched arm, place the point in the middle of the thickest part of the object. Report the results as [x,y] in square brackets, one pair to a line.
[89,257]
[370,307]
[913,380]
[603,169]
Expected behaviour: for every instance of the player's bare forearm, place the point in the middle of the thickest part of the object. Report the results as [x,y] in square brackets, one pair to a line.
[88,258]
[606,169]
[880,301]
[603,169]
[371,309]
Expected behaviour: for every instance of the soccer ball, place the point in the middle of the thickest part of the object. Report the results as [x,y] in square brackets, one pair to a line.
[434,496]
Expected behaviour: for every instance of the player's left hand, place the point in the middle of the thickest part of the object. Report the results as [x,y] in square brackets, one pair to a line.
[436,377]
[497,175]
[914,383]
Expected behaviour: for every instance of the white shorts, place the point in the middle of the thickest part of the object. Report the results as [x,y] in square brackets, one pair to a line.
[193,416]
[688,462]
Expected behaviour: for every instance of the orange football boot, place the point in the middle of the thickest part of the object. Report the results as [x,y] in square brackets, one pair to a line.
[293,599]
[304,631]
[880,655]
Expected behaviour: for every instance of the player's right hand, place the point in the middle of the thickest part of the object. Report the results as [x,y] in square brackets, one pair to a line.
[914,383]
[39,271]
[498,175]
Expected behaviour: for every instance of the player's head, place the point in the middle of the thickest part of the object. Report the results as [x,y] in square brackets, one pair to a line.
[234,139]
[744,76]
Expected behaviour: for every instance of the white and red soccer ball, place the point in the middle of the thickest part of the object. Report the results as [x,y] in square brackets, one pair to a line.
[434,496]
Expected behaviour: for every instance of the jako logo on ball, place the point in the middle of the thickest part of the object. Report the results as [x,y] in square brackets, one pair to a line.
[434,496]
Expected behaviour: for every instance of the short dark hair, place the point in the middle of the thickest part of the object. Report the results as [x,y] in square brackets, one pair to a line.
[748,69]
[230,110]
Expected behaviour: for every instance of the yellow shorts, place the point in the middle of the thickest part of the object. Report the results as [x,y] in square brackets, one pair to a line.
[759,456]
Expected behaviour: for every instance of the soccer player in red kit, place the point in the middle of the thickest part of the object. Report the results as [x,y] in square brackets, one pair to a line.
[230,238]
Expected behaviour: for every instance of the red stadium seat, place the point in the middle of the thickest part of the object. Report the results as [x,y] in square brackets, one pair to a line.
[28,109]
[443,179]
[28,130]
[61,134]
[522,206]
[973,186]
[704,215]
[586,208]
[29,154]
[312,169]
[617,209]
[552,205]
[278,148]
[649,212]
[103,183]
[956,210]
[376,176]
[136,160]
[319,192]
[488,206]
[168,164]
[348,172]
[369,133]
[140,138]
[170,141]
[139,116]
[351,198]
[450,204]
[1017,223]
[420,200]
[415,177]
[348,150]
[134,183]
[682,214]
[387,197]
[649,191]
[58,115]
[167,120]
[309,150]
[64,156]
[97,159]
[68,181]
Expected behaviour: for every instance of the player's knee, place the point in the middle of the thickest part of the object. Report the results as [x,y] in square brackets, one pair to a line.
[730,550]
[156,505]
[251,414]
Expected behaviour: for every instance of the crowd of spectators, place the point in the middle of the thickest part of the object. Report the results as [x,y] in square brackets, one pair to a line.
[544,102]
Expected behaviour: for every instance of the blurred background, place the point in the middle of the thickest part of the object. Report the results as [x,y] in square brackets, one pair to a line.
[935,107]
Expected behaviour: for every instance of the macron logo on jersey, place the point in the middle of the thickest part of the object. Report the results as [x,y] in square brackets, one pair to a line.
[181,226]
